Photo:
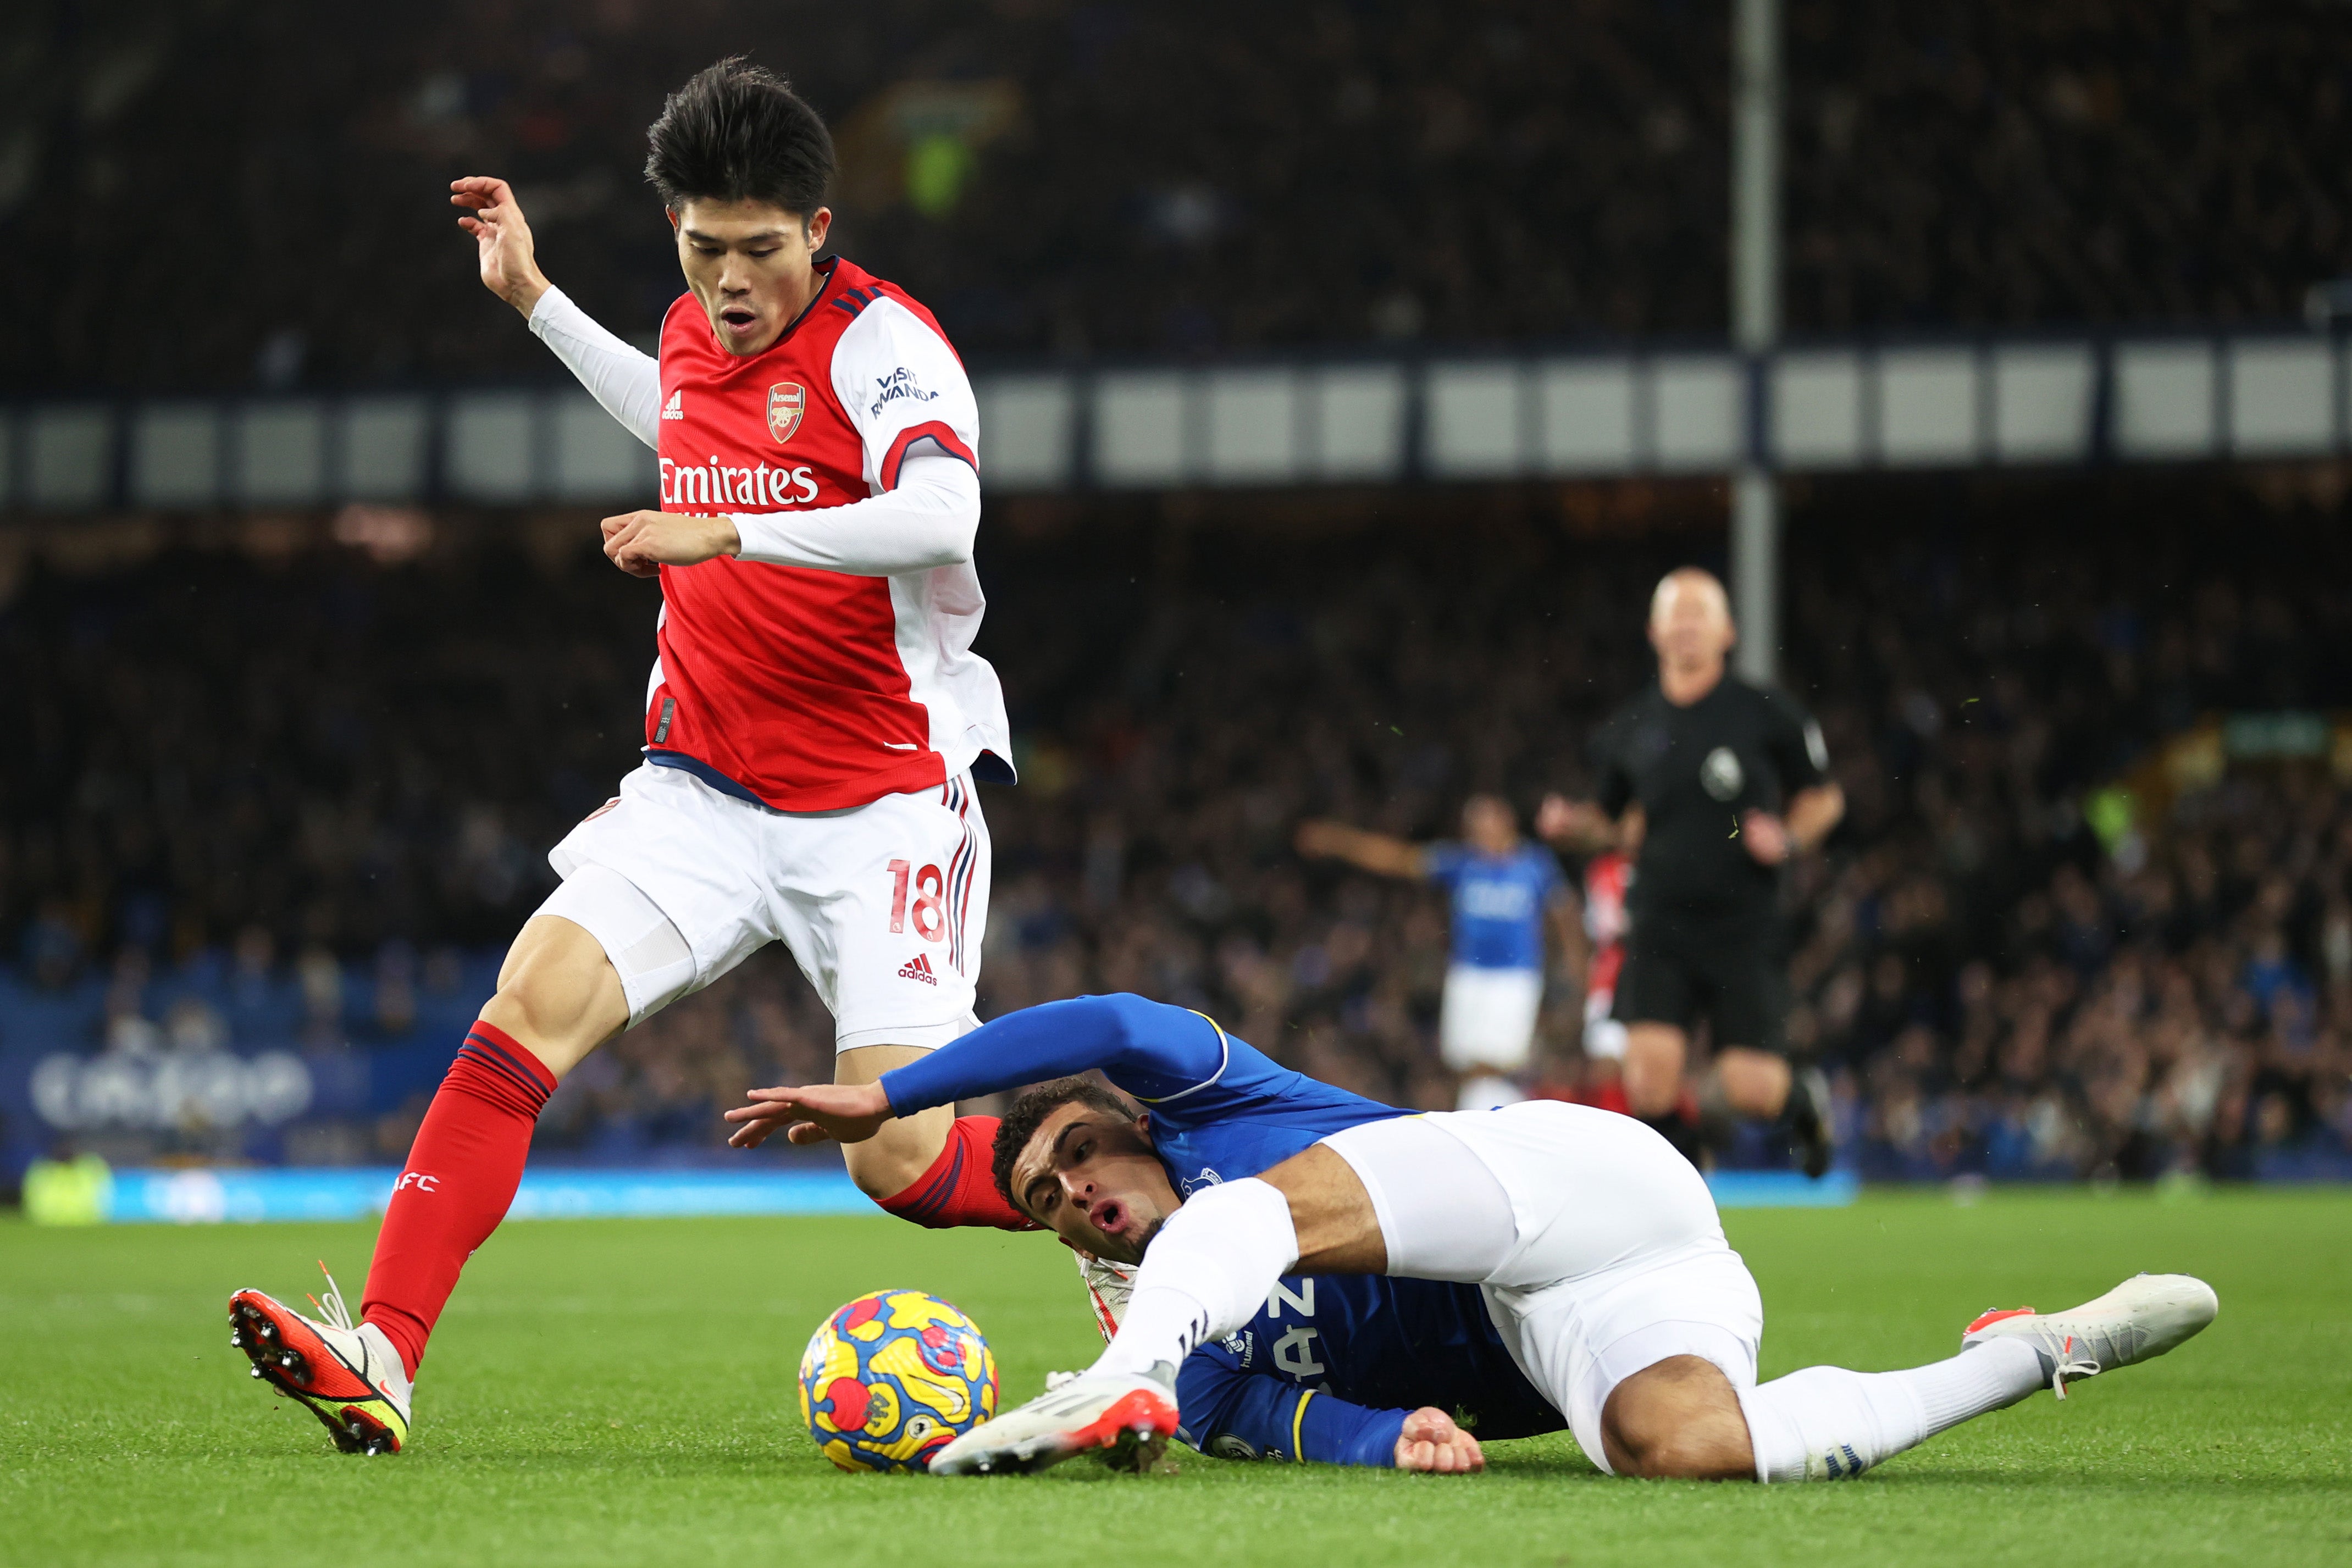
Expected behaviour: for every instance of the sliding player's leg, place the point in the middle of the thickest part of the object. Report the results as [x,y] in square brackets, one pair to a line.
[1684,1417]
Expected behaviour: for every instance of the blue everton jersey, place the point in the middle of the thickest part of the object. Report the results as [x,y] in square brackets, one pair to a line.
[1498,902]
[1329,1369]
[1220,1109]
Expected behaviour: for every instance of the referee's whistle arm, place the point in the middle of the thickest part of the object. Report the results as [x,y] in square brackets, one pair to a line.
[1813,815]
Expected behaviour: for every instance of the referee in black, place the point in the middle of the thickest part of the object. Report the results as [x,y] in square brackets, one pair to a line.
[1712,784]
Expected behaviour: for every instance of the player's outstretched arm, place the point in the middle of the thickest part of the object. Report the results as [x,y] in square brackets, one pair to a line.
[626,381]
[1376,852]
[508,256]
[1580,827]
[1145,1046]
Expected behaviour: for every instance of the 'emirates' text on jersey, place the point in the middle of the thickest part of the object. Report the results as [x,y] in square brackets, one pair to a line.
[815,691]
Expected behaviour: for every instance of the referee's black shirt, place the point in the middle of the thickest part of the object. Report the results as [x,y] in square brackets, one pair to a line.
[1696,770]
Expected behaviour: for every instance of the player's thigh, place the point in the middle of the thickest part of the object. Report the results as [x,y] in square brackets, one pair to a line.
[885,906]
[1487,1019]
[666,877]
[1588,1189]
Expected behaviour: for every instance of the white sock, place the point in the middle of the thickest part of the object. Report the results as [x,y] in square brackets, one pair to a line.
[1204,1275]
[1827,1423]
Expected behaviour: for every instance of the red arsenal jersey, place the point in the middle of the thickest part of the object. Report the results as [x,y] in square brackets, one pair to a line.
[814,691]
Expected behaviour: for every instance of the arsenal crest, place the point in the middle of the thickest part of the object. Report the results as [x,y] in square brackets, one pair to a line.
[786,402]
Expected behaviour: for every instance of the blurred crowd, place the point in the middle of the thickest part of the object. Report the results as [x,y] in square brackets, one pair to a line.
[2070,926]
[1093,176]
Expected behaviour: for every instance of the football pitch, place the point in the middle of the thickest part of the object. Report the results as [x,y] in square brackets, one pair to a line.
[622,1392]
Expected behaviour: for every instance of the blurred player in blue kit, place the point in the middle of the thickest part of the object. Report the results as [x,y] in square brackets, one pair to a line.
[1504,891]
[1533,1266]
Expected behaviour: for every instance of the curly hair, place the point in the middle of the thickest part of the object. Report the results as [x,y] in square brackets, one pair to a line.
[1029,1112]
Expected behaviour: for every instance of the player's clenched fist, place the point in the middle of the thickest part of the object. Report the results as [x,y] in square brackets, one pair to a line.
[642,543]
[1432,1443]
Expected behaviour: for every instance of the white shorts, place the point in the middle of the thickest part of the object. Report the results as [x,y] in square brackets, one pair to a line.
[883,906]
[1615,1259]
[1488,1019]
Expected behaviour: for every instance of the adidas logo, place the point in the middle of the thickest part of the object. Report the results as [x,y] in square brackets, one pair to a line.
[675,407]
[921,970]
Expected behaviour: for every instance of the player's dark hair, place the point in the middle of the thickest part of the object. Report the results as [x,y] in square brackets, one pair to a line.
[737,132]
[1029,1113]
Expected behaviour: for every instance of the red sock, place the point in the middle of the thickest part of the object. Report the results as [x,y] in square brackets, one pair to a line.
[959,1188]
[461,1176]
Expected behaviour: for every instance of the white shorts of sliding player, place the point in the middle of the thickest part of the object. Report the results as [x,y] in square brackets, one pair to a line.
[1602,1253]
[883,906]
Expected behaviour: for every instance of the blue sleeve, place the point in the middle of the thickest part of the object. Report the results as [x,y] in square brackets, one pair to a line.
[1443,862]
[1148,1047]
[1276,1418]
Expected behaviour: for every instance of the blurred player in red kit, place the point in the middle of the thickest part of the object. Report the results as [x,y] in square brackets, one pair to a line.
[1607,878]
[814,722]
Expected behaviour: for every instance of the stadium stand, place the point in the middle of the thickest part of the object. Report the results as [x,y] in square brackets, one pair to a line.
[2092,912]
[1076,179]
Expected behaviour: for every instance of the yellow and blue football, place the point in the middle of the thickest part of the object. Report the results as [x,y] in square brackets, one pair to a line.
[893,1377]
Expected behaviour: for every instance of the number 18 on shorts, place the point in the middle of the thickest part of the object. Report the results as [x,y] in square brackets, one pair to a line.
[883,906]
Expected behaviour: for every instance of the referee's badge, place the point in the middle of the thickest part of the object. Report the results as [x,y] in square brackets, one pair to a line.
[786,400]
[1720,775]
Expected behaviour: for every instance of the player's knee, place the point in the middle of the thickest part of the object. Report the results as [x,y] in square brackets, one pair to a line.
[558,995]
[1678,1420]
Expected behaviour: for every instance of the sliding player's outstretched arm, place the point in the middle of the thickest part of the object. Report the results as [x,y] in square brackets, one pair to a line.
[1148,1047]
[626,381]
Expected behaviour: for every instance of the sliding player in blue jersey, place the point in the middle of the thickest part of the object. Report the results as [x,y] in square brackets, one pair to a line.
[1347,1369]
[1588,1244]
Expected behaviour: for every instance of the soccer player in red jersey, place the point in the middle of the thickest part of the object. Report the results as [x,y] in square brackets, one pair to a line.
[815,720]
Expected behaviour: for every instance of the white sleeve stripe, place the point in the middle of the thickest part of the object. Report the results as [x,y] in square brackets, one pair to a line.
[1224,1061]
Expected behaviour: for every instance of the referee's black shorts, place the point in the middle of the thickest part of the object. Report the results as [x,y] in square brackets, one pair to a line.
[1732,970]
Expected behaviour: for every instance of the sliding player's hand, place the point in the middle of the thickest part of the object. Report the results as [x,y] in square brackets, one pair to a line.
[843,1112]
[642,543]
[509,258]
[1432,1443]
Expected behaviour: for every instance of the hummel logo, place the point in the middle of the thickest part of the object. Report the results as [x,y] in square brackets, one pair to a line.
[921,970]
[675,407]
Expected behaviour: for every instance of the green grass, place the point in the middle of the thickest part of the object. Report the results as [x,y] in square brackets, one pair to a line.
[622,1393]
